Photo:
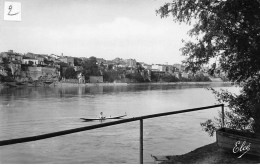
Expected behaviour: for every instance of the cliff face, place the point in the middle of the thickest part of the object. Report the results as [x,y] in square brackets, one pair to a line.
[43,73]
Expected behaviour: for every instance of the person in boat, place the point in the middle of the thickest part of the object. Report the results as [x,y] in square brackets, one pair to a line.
[101,116]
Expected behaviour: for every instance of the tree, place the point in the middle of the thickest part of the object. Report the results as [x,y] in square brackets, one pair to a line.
[110,76]
[212,69]
[31,63]
[139,67]
[90,67]
[9,77]
[169,78]
[77,61]
[70,73]
[62,64]
[155,77]
[136,77]
[5,60]
[200,78]
[110,66]
[47,62]
[230,32]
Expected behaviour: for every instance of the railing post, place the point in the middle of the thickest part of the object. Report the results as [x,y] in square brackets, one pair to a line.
[223,116]
[141,141]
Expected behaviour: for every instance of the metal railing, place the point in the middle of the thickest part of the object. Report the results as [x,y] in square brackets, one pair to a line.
[141,118]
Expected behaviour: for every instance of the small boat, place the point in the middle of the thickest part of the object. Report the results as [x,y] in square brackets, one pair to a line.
[101,119]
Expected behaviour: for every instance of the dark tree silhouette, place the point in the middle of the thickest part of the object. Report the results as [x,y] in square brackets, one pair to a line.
[90,67]
[230,32]
[70,73]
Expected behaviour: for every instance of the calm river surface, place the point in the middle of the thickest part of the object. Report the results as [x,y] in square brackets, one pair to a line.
[33,111]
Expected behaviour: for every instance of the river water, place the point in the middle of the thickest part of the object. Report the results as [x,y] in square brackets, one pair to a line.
[33,111]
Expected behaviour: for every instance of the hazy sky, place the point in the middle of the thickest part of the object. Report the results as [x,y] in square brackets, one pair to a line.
[101,28]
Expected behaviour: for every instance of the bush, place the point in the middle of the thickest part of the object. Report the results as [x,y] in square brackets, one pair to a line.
[136,77]
[70,73]
[110,76]
[169,78]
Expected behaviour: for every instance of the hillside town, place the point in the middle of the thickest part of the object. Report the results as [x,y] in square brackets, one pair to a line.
[42,68]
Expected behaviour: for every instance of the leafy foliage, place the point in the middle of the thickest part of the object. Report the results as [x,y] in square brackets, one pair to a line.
[196,78]
[70,73]
[209,127]
[9,77]
[228,31]
[110,76]
[169,78]
[31,63]
[77,61]
[90,67]
[5,61]
[136,77]
[238,115]
[49,62]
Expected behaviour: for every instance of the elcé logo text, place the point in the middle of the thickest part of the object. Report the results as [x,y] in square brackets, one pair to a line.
[241,148]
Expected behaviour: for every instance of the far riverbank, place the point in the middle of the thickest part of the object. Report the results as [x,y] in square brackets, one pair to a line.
[60,84]
[176,83]
[65,84]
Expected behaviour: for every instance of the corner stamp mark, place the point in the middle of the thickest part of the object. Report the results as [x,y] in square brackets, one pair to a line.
[10,11]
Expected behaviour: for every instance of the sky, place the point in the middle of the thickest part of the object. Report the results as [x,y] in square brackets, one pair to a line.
[101,28]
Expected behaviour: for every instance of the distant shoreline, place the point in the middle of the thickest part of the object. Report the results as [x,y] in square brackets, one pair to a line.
[64,84]
[176,83]
[128,84]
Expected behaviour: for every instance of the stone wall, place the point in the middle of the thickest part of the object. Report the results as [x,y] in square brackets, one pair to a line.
[43,73]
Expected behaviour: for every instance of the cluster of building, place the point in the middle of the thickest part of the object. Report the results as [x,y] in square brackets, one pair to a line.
[177,70]
[34,67]
[29,67]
